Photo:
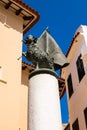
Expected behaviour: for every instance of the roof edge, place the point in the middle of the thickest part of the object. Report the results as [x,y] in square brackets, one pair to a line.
[20,3]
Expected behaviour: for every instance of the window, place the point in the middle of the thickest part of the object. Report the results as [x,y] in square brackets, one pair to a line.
[85,115]
[67,127]
[75,125]
[80,68]
[70,85]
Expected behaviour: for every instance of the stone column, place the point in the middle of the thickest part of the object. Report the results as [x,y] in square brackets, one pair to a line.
[44,102]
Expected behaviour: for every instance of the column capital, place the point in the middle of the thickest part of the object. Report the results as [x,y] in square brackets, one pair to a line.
[43,71]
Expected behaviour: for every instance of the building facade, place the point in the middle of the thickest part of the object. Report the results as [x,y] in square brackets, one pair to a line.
[16,18]
[75,76]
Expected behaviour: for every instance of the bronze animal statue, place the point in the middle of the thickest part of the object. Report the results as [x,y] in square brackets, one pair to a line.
[44,52]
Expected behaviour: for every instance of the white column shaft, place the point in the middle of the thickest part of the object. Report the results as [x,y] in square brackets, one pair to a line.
[44,103]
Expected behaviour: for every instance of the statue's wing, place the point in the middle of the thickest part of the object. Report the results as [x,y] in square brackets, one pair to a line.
[49,45]
[56,53]
[41,42]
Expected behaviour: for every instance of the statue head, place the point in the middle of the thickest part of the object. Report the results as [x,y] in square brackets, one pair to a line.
[30,39]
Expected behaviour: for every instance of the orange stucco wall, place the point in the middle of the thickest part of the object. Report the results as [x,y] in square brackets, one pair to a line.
[12,100]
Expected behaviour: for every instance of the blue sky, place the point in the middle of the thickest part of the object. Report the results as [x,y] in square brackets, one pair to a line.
[62,17]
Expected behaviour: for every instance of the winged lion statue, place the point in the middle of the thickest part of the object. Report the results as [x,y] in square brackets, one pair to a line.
[44,52]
